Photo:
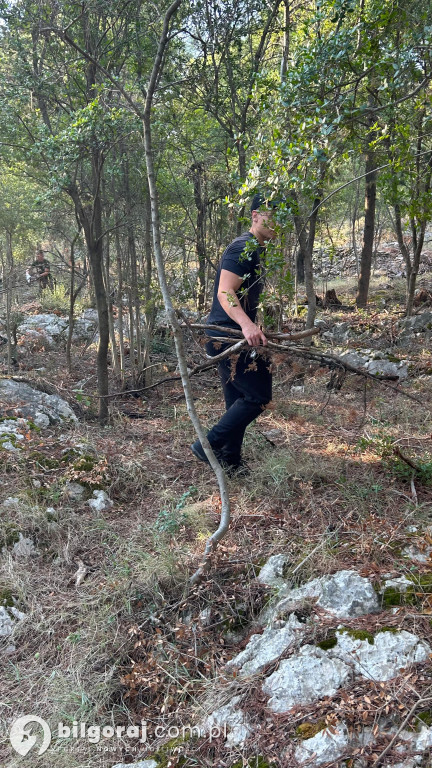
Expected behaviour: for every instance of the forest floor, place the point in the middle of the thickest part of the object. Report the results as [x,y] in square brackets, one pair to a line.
[134,641]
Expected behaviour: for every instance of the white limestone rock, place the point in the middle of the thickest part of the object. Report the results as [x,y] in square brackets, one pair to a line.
[387,368]
[400,583]
[100,501]
[230,718]
[32,339]
[11,503]
[326,746]
[9,616]
[382,660]
[24,548]
[414,746]
[418,555]
[49,324]
[74,491]
[85,326]
[272,572]
[305,678]
[354,358]
[265,648]
[140,764]
[417,323]
[6,623]
[32,403]
[12,434]
[345,594]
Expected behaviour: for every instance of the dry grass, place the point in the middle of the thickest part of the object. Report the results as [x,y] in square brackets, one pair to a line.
[132,641]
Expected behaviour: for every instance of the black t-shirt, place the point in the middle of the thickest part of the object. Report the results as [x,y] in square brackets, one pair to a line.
[245,264]
[41,266]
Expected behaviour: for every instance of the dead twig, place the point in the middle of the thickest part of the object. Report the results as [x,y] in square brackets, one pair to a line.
[415,706]
[198,369]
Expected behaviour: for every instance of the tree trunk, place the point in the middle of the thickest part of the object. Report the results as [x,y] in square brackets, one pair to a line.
[368,232]
[95,256]
[114,354]
[369,218]
[72,299]
[149,303]
[90,218]
[120,306]
[286,41]
[418,240]
[306,244]
[9,288]
[402,245]
[200,203]
[171,314]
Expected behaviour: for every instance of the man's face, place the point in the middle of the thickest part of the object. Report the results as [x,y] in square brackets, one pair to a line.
[40,256]
[265,224]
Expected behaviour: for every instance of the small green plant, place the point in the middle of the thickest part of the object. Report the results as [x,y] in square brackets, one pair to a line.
[57,299]
[170,521]
[403,468]
[81,397]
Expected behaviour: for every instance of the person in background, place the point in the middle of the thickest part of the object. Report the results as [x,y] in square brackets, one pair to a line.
[40,270]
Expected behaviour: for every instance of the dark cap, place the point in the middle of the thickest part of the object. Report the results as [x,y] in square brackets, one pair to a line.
[260,199]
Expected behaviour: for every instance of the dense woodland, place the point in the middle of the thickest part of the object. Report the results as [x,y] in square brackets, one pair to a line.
[133,136]
[126,129]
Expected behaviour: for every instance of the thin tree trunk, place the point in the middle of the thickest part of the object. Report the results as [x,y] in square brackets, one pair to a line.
[354,234]
[114,354]
[149,303]
[306,245]
[286,40]
[9,288]
[72,299]
[120,306]
[368,232]
[90,219]
[418,240]
[200,203]
[369,217]
[402,246]
[171,314]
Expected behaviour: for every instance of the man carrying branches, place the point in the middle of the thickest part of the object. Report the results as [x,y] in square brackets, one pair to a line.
[40,270]
[246,378]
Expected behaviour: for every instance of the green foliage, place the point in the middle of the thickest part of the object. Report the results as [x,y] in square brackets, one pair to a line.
[81,397]
[170,520]
[6,597]
[420,592]
[425,717]
[56,300]
[384,446]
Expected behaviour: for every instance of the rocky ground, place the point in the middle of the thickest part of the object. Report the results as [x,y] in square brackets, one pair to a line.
[309,643]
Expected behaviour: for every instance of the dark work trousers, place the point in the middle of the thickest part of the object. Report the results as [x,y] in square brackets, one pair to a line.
[247,388]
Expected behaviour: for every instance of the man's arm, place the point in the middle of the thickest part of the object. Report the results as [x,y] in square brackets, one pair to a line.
[46,272]
[229,283]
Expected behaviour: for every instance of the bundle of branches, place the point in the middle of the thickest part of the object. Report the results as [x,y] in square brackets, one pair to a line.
[280,342]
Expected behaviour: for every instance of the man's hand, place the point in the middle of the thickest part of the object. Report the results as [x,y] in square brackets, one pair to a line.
[253,335]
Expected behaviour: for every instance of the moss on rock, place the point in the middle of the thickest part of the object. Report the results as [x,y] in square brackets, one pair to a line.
[6,597]
[358,634]
[309,730]
[329,642]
